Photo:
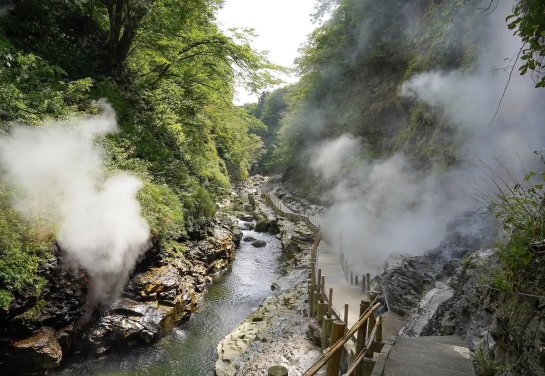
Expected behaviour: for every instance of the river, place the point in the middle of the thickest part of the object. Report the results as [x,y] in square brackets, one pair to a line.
[190,349]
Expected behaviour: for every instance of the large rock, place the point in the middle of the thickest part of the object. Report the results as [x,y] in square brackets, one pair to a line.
[273,334]
[129,322]
[266,220]
[246,217]
[39,351]
[259,243]
[156,281]
[404,281]
[296,237]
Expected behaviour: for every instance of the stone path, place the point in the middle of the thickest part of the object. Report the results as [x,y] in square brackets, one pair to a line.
[428,356]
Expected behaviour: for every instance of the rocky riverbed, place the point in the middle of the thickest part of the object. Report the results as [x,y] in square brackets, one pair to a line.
[276,333]
[163,292]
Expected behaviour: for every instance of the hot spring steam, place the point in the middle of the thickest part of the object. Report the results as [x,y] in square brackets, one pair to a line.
[57,171]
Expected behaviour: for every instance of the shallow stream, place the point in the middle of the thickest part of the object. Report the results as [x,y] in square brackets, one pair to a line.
[190,350]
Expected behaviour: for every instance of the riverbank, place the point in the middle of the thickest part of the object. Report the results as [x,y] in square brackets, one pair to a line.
[276,333]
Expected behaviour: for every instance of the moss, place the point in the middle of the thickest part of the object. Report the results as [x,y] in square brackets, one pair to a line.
[34,313]
[6,298]
[173,249]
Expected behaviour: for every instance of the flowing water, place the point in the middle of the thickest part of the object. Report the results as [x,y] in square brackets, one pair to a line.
[190,350]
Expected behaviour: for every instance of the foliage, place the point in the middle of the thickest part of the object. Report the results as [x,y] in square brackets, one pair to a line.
[353,67]
[519,207]
[169,73]
[484,366]
[32,90]
[162,210]
[22,250]
[528,20]
[269,110]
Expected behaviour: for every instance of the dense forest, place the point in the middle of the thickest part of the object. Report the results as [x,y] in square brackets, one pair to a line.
[169,73]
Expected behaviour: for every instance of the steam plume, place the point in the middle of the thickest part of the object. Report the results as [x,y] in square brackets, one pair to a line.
[388,206]
[60,181]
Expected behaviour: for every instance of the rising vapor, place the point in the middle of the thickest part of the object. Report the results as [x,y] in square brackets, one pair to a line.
[60,182]
[387,206]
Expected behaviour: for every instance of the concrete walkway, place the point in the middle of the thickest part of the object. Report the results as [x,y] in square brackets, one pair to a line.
[428,356]
[343,292]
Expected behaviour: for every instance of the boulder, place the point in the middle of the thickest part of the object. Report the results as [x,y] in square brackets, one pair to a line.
[266,220]
[156,280]
[296,237]
[39,351]
[129,322]
[249,239]
[246,217]
[248,226]
[259,243]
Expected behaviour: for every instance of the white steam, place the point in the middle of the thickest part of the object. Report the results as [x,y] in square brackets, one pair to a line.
[387,206]
[58,173]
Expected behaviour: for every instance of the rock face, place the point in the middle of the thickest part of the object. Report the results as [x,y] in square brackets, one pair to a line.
[428,309]
[159,298]
[447,291]
[404,281]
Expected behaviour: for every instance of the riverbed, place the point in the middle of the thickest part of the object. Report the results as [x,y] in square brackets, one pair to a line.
[190,349]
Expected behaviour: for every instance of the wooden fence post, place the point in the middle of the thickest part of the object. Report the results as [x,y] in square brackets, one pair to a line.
[362,335]
[322,310]
[277,371]
[334,363]
[330,303]
[311,292]
[326,332]
[315,301]
[322,289]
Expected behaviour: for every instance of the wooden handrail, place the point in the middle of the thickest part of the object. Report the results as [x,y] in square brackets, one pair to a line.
[337,346]
[364,351]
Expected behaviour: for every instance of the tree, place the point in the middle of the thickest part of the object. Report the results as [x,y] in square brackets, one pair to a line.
[125,18]
[528,20]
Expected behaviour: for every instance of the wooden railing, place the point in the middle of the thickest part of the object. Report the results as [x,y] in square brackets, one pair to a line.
[369,333]
[334,334]
[282,210]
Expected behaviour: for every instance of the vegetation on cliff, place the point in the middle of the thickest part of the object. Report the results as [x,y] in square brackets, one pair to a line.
[169,73]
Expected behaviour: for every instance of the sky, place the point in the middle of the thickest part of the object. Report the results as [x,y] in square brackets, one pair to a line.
[281,27]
